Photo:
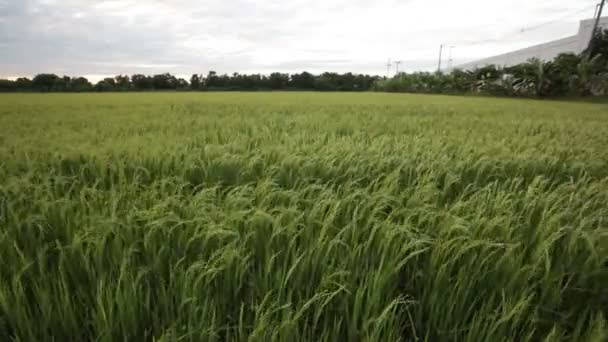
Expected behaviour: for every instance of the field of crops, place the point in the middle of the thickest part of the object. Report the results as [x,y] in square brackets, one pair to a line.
[302,217]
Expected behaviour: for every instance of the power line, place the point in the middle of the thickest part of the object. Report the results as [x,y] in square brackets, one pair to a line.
[567,16]
[527,29]
[503,37]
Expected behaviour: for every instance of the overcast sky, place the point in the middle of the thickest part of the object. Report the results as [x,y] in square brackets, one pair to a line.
[97,37]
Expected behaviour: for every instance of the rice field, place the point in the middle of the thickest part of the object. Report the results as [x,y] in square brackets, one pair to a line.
[302,217]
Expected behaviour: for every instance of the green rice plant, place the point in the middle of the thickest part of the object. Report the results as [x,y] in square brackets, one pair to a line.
[302,217]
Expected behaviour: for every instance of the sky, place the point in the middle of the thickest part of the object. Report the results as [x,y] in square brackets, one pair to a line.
[98,38]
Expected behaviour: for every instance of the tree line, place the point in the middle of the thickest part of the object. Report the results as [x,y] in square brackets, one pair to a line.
[568,74]
[212,81]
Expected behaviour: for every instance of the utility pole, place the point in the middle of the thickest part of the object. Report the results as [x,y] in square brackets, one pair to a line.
[397,67]
[595,27]
[440,53]
[450,61]
[388,68]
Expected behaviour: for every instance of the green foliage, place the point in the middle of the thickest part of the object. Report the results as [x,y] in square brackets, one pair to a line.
[45,82]
[195,82]
[590,76]
[565,66]
[420,82]
[567,74]
[275,81]
[7,86]
[304,80]
[301,217]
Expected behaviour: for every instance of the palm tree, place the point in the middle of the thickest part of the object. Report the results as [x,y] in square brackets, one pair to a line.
[486,77]
[588,78]
[539,75]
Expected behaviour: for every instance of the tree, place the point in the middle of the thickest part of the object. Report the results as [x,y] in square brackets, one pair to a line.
[61,84]
[7,85]
[182,84]
[364,82]
[565,63]
[164,81]
[195,82]
[486,78]
[588,76]
[304,80]
[212,80]
[122,82]
[251,82]
[541,76]
[564,67]
[324,82]
[24,84]
[534,78]
[459,81]
[107,84]
[141,82]
[79,84]
[44,82]
[278,80]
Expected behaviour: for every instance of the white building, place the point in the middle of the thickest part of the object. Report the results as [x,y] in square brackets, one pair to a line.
[547,51]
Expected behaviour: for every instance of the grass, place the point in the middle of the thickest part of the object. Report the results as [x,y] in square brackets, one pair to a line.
[302,217]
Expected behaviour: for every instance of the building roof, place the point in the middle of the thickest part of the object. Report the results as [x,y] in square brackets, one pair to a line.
[546,51]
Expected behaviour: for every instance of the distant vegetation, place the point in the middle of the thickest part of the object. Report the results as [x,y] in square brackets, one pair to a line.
[567,75]
[212,81]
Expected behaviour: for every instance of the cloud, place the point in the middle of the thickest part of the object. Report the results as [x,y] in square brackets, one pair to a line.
[187,36]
